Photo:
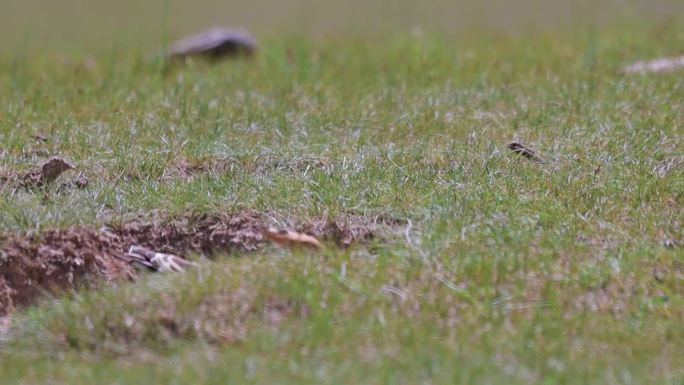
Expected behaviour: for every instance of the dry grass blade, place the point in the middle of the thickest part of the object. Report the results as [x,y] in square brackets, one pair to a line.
[289,238]
[664,64]
[525,151]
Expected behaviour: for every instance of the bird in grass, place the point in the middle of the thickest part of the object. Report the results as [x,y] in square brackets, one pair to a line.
[47,173]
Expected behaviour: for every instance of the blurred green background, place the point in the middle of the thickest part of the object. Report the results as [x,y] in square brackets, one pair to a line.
[100,23]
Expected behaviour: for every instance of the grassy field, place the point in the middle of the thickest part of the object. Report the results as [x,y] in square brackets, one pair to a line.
[500,271]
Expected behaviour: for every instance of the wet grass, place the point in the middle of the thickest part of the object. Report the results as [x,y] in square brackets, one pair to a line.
[568,271]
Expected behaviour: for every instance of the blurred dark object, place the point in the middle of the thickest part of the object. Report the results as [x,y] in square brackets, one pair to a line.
[664,64]
[47,173]
[215,43]
[525,151]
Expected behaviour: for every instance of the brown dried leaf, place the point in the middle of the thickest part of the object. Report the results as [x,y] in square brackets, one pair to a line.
[289,238]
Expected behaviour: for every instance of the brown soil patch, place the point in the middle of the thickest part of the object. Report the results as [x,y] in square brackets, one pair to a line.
[55,260]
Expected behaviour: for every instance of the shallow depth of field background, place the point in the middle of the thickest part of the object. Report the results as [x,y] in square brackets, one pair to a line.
[512,272]
[83,23]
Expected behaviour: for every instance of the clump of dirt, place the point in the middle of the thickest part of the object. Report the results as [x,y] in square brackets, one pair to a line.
[53,261]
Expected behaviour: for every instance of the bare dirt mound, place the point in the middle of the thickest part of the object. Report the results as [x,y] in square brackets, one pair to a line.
[53,261]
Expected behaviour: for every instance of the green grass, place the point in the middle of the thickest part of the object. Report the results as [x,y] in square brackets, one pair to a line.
[515,272]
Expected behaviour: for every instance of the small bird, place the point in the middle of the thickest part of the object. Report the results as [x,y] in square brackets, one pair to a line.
[47,173]
[154,261]
[526,151]
[216,43]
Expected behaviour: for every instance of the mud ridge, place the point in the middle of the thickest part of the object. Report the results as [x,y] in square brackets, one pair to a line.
[53,261]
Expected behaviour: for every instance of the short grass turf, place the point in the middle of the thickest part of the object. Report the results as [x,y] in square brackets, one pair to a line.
[513,272]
